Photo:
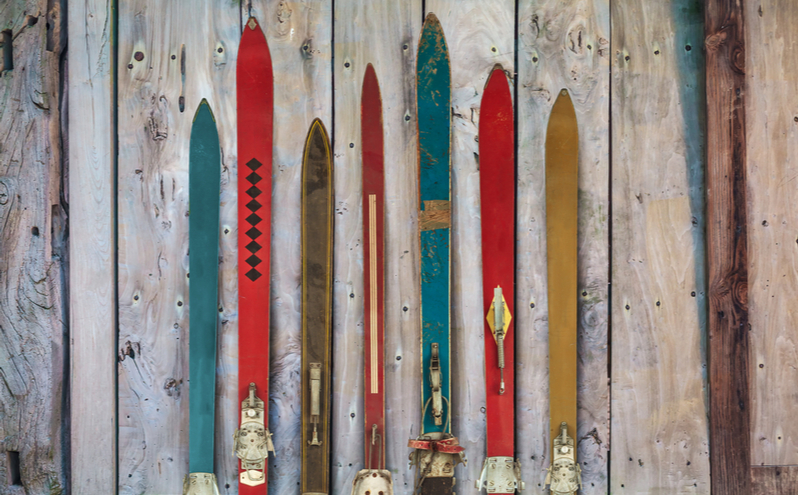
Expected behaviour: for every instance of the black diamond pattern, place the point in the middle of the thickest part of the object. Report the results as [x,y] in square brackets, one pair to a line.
[254,178]
[253,219]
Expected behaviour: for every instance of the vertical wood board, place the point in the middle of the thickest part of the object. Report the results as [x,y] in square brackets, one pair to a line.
[563,46]
[658,398]
[771,106]
[726,238]
[384,34]
[774,480]
[163,66]
[93,307]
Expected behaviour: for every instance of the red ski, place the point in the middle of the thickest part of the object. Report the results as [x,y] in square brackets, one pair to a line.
[375,478]
[501,473]
[252,441]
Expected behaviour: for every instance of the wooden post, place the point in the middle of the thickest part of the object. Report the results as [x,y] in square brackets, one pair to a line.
[726,183]
[93,305]
[33,251]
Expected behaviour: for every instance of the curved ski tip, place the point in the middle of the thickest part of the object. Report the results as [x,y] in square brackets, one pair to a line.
[430,18]
[252,23]
[564,93]
[204,106]
[370,77]
[496,73]
[318,127]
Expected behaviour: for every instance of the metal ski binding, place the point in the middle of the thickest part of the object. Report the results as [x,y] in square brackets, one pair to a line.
[436,385]
[500,475]
[564,476]
[200,484]
[252,442]
[372,481]
[315,376]
[499,318]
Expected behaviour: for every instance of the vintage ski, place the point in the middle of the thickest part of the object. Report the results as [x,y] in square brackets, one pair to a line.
[204,177]
[375,478]
[561,191]
[500,472]
[436,450]
[253,441]
[317,261]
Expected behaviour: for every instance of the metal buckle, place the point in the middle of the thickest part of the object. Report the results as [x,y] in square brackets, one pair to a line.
[252,442]
[315,377]
[500,475]
[564,476]
[373,482]
[436,385]
[499,318]
[200,484]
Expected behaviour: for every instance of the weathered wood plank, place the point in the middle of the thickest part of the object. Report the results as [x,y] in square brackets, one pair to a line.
[563,45]
[168,60]
[658,415]
[299,35]
[479,34]
[774,480]
[93,417]
[771,106]
[385,34]
[726,217]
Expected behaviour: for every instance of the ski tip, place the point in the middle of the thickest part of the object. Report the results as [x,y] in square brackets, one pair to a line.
[317,127]
[497,73]
[204,107]
[252,23]
[370,79]
[431,19]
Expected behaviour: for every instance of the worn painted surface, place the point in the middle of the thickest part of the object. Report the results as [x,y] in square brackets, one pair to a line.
[433,116]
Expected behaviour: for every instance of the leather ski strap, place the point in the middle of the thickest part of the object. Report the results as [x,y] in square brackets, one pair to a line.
[204,177]
[317,261]
[254,93]
[561,189]
[435,470]
[500,472]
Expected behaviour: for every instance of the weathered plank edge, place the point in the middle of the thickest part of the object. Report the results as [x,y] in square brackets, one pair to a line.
[774,480]
[92,155]
[726,189]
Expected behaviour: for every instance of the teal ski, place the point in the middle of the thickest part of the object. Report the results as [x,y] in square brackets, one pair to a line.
[436,450]
[204,175]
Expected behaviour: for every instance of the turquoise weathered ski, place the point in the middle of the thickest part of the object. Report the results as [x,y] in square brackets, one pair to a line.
[436,450]
[204,175]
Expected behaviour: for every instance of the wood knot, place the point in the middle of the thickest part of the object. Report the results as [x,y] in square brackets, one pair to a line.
[713,41]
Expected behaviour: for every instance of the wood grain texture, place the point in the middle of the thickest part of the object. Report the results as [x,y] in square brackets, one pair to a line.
[563,46]
[383,33]
[153,234]
[774,480]
[726,217]
[771,106]
[658,397]
[299,35]
[93,418]
[479,34]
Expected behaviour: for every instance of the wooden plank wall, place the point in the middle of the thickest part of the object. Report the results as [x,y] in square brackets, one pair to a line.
[33,251]
[658,358]
[639,95]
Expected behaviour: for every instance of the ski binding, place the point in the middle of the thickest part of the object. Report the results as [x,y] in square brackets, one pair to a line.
[564,476]
[373,481]
[436,455]
[500,475]
[252,442]
[200,484]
